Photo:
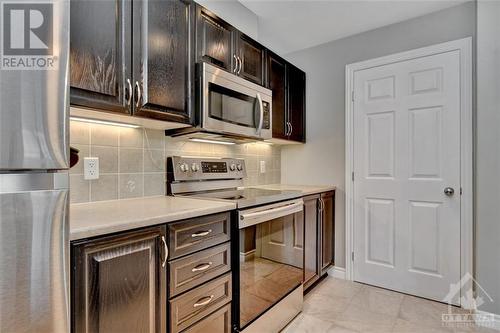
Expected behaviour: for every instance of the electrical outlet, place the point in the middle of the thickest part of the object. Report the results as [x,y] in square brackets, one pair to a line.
[262,166]
[91,168]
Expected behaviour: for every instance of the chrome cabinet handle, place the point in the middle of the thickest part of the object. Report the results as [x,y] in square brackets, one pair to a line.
[241,65]
[165,249]
[203,301]
[449,191]
[128,91]
[291,129]
[235,70]
[139,96]
[202,267]
[288,129]
[201,233]
[261,119]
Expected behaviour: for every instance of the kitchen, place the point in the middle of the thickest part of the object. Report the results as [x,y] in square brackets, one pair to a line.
[185,172]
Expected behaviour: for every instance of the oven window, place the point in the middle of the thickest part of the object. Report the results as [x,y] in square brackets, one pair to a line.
[271,262]
[232,107]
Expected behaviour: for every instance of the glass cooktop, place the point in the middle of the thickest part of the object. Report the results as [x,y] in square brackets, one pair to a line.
[249,196]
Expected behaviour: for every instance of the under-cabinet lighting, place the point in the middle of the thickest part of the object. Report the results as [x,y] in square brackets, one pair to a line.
[103,122]
[212,141]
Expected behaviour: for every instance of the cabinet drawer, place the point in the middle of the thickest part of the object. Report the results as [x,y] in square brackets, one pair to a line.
[199,233]
[194,269]
[217,322]
[187,309]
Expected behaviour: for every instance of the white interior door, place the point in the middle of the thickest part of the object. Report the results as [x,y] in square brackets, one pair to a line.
[406,152]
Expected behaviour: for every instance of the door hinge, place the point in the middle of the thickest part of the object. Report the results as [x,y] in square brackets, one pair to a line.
[461,191]
[352,95]
[352,256]
[352,176]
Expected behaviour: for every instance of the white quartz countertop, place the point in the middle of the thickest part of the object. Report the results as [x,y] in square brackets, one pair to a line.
[305,189]
[105,217]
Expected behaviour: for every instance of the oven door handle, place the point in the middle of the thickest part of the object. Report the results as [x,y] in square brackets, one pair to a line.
[261,110]
[249,219]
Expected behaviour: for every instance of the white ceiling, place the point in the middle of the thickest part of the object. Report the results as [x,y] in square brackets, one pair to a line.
[291,25]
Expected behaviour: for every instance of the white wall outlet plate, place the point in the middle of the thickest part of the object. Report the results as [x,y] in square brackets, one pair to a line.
[91,168]
[262,166]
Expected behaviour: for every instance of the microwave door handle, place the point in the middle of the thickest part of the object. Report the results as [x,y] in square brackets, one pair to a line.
[261,118]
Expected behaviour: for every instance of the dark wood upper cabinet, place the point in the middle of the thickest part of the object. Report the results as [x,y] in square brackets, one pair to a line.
[119,283]
[296,103]
[251,57]
[327,230]
[214,40]
[163,59]
[276,81]
[100,58]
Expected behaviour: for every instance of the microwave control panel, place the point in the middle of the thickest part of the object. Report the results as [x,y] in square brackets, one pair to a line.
[266,124]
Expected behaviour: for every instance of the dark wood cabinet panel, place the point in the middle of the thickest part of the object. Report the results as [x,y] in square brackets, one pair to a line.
[311,245]
[251,55]
[100,59]
[217,322]
[276,81]
[199,233]
[327,230]
[214,39]
[119,284]
[163,59]
[296,103]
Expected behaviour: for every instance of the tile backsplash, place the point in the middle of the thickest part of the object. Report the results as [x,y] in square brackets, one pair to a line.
[132,161]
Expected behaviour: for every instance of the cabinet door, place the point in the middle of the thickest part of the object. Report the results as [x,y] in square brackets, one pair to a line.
[214,40]
[163,59]
[276,81]
[119,283]
[327,230]
[251,55]
[296,103]
[311,248]
[100,63]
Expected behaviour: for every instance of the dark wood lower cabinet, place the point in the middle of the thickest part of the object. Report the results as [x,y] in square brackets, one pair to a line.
[119,283]
[319,226]
[311,234]
[327,231]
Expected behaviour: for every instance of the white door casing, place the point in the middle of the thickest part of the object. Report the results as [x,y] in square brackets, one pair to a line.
[405,149]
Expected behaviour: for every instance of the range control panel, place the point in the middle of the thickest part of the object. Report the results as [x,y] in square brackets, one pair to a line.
[188,168]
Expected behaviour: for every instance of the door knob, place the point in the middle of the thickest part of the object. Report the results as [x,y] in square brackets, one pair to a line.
[449,191]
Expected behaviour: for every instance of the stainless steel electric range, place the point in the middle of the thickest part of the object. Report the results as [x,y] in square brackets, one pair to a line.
[266,239]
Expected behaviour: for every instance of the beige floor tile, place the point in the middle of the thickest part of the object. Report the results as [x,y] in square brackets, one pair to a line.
[324,307]
[304,323]
[405,326]
[421,311]
[338,288]
[379,300]
[359,319]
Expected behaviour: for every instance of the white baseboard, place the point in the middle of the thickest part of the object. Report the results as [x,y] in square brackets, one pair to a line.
[488,324]
[337,272]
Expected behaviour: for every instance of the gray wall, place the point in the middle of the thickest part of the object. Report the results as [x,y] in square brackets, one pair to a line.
[488,152]
[321,160]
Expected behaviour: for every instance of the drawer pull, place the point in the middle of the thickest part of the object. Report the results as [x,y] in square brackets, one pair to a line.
[201,233]
[202,267]
[203,301]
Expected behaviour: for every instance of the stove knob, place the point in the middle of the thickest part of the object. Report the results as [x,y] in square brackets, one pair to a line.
[240,167]
[232,167]
[184,167]
[195,167]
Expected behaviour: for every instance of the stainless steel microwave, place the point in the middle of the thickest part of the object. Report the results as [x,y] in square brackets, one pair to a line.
[232,105]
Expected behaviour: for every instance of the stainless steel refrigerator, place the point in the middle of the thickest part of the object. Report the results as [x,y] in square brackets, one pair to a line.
[34,158]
